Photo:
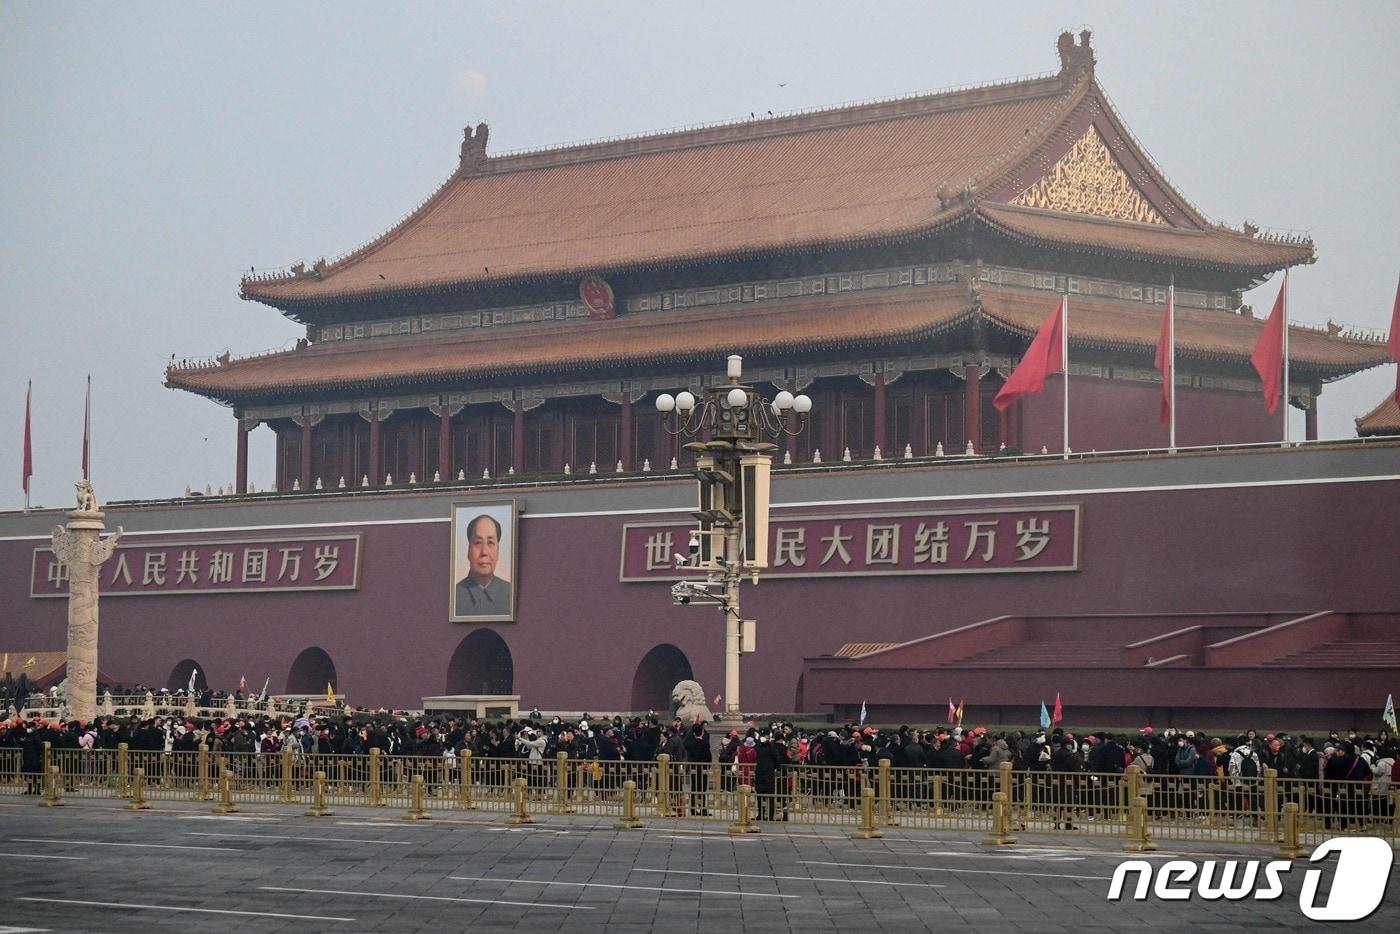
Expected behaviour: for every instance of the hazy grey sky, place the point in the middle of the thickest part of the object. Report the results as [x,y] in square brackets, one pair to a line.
[153,152]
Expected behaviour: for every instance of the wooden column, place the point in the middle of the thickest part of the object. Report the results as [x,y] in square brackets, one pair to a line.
[306,452]
[444,464]
[1311,419]
[972,405]
[517,437]
[625,439]
[241,465]
[918,428]
[415,446]
[882,440]
[376,452]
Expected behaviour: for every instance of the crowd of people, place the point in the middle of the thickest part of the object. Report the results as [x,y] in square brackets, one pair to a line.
[1365,767]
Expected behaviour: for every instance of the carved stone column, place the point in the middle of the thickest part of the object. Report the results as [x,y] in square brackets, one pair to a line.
[80,547]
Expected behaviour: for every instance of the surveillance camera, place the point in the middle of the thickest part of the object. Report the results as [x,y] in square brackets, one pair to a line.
[694,542]
[680,560]
[685,599]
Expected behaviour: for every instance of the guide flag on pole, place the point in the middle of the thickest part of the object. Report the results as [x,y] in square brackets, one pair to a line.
[1059,713]
[1044,716]
[1388,715]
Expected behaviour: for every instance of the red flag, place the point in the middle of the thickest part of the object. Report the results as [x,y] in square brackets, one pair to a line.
[1394,343]
[28,470]
[1268,353]
[952,712]
[87,426]
[1164,362]
[1044,356]
[1059,713]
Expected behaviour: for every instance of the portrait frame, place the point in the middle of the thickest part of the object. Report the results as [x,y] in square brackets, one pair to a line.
[507,568]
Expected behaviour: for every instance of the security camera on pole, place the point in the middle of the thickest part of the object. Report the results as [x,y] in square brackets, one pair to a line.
[733,472]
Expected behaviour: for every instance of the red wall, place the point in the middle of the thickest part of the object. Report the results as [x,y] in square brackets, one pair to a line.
[581,633]
[1119,415]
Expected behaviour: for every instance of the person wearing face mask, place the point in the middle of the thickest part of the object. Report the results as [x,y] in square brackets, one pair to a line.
[770,764]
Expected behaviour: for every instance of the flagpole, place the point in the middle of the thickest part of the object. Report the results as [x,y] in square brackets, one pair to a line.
[87,429]
[1064,353]
[1285,355]
[28,445]
[1171,366]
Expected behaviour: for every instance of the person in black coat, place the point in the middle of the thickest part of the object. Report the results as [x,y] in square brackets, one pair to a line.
[771,761]
[32,760]
[699,756]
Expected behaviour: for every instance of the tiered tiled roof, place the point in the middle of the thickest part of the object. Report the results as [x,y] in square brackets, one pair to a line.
[1199,333]
[771,328]
[781,327]
[1384,419]
[843,176]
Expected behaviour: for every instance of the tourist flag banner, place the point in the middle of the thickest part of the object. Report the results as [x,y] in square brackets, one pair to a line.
[1388,715]
[266,682]
[243,680]
[87,426]
[952,712]
[194,672]
[1270,355]
[330,693]
[717,697]
[1166,365]
[1393,344]
[959,712]
[862,713]
[27,470]
[1059,713]
[1044,716]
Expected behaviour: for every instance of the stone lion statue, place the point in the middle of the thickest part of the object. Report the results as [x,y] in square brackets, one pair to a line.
[87,497]
[689,700]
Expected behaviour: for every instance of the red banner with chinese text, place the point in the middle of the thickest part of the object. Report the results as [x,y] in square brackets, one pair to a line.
[955,541]
[264,565]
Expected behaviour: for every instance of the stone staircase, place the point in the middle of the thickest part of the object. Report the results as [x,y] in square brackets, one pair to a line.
[1047,653]
[1348,654]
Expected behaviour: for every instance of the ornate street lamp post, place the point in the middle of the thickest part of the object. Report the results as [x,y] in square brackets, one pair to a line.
[732,468]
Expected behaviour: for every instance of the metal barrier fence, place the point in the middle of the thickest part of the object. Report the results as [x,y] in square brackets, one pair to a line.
[1133,806]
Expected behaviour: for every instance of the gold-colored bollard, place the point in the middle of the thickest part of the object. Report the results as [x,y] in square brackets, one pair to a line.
[318,796]
[744,821]
[1001,821]
[416,811]
[867,829]
[464,782]
[287,796]
[376,789]
[938,795]
[52,784]
[1271,805]
[202,767]
[519,815]
[123,770]
[1289,848]
[48,756]
[561,782]
[138,792]
[629,819]
[886,783]
[1139,840]
[225,805]
[663,785]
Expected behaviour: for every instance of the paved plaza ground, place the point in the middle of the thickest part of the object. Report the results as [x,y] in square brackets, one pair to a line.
[91,866]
